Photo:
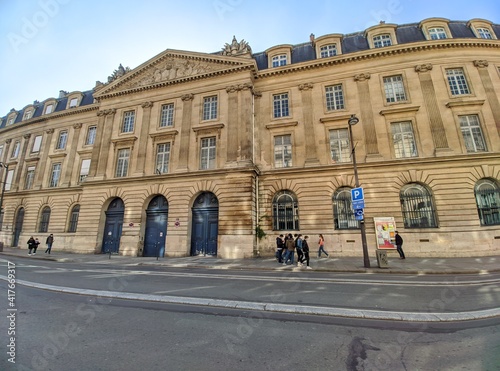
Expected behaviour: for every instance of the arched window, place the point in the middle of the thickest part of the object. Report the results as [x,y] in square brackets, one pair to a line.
[343,214]
[285,211]
[44,220]
[487,194]
[417,207]
[73,219]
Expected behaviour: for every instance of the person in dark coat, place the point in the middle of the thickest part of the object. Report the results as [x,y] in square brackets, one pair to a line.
[399,245]
[31,245]
[305,250]
[49,242]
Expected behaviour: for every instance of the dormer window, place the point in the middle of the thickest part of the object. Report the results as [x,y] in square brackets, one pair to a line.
[437,33]
[327,45]
[27,115]
[49,109]
[279,60]
[484,33]
[482,28]
[11,121]
[435,28]
[380,41]
[329,50]
[73,102]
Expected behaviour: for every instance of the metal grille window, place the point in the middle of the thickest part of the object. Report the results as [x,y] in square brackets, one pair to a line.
[457,82]
[394,89]
[484,33]
[55,175]
[340,147]
[285,211]
[403,140]
[43,226]
[167,115]
[280,105]
[210,108]
[61,141]
[73,219]
[471,131]
[417,207]
[334,97]
[279,60]
[207,153]
[30,176]
[328,50]
[382,40]
[282,151]
[128,122]
[91,133]
[437,33]
[122,162]
[162,157]
[487,195]
[343,214]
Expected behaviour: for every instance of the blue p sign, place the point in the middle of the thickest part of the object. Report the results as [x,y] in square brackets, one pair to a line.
[357,194]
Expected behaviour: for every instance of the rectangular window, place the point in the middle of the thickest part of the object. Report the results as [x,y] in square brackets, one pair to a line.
[122,162]
[328,50]
[394,89]
[49,109]
[73,102]
[403,140]
[437,33]
[207,153]
[11,121]
[457,82]
[91,133]
[282,151]
[280,105]
[167,115]
[84,170]
[1,152]
[27,115]
[15,149]
[55,175]
[30,176]
[484,33]
[279,60]
[8,181]
[382,40]
[162,158]
[37,143]
[471,131]
[340,147]
[334,97]
[61,141]
[128,122]
[210,108]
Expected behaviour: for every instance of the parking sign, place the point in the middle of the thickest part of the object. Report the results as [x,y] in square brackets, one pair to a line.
[357,194]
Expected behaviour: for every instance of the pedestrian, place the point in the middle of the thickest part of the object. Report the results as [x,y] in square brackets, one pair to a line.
[36,245]
[399,245]
[298,248]
[305,250]
[290,247]
[280,244]
[321,244]
[31,245]
[49,242]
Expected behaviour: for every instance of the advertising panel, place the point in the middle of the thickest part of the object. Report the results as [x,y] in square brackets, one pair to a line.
[384,230]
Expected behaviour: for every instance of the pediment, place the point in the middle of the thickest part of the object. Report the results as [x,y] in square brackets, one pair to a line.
[171,67]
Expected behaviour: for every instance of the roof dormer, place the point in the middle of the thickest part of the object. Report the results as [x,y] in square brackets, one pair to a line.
[74,99]
[435,28]
[482,28]
[11,117]
[381,35]
[49,106]
[280,55]
[328,45]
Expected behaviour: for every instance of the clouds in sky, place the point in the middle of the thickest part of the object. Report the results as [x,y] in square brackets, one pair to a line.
[52,45]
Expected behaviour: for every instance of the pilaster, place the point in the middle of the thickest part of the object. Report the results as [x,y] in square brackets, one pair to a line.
[105,145]
[187,107]
[66,180]
[311,158]
[43,160]
[143,138]
[491,95]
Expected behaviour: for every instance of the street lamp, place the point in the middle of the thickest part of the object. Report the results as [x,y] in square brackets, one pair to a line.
[6,166]
[353,120]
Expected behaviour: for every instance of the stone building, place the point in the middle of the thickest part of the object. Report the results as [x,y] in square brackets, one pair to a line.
[216,154]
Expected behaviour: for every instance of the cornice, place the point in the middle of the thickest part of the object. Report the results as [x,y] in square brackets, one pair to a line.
[379,53]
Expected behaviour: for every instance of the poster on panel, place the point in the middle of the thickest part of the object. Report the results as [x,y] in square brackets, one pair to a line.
[384,231]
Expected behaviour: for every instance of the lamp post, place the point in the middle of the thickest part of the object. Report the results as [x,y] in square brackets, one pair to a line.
[353,120]
[6,166]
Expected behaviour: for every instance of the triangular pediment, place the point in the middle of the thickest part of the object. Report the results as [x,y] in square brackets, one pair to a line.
[171,67]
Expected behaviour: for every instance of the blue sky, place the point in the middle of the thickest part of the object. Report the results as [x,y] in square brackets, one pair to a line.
[52,45]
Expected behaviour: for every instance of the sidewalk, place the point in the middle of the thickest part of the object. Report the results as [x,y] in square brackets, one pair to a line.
[471,265]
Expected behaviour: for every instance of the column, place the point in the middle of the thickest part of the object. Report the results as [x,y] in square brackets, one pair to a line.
[436,121]
[105,144]
[96,149]
[66,179]
[143,138]
[43,160]
[187,108]
[311,158]
[246,118]
[491,95]
[232,126]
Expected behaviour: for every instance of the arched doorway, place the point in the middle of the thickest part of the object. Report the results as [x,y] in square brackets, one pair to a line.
[156,227]
[205,225]
[113,227]
[18,227]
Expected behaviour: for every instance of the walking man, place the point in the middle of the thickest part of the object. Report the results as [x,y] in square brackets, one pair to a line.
[399,245]
[49,242]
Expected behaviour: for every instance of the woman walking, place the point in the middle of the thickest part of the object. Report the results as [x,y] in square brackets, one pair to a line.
[321,244]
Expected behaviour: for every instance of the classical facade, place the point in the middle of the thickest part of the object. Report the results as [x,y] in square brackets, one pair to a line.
[216,154]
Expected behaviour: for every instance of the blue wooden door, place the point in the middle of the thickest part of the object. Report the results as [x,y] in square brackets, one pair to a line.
[156,227]
[205,228]
[113,227]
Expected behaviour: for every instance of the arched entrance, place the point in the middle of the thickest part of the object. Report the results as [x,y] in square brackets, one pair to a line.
[113,227]
[156,227]
[205,225]
[18,227]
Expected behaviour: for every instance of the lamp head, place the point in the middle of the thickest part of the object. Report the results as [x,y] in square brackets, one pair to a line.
[353,120]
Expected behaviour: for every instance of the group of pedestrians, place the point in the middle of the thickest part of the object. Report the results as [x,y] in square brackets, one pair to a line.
[287,245]
[33,244]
